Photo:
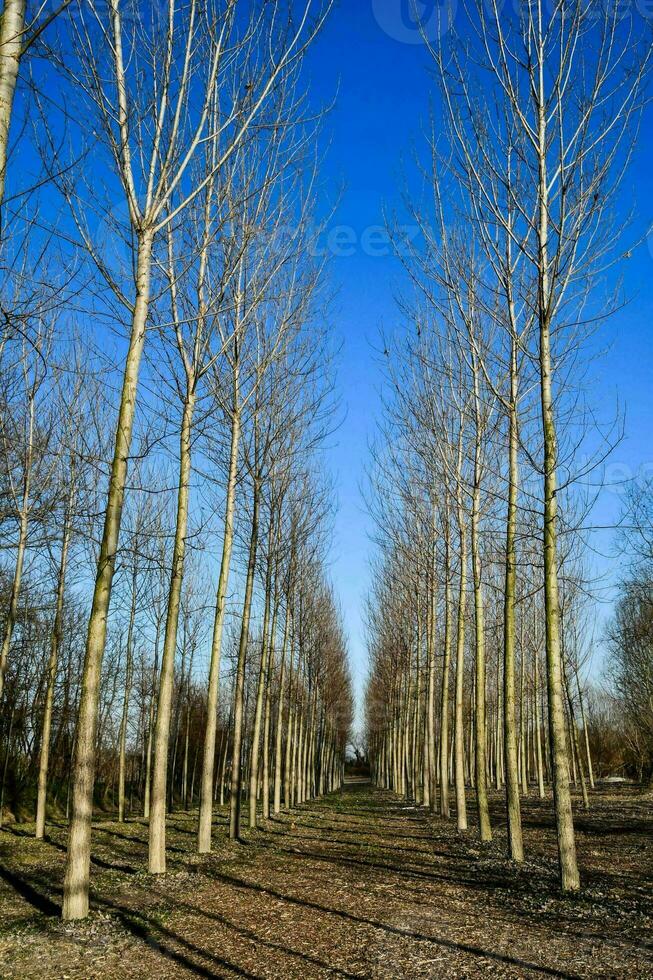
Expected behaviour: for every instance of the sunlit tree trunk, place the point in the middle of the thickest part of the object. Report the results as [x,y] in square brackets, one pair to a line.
[239,692]
[569,877]
[260,687]
[459,733]
[576,745]
[76,882]
[55,644]
[265,791]
[150,724]
[515,840]
[586,738]
[12,38]
[538,725]
[287,778]
[129,662]
[444,693]
[480,744]
[279,723]
[208,759]
[157,835]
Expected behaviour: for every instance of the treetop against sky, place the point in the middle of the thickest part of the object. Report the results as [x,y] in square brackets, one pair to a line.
[372,57]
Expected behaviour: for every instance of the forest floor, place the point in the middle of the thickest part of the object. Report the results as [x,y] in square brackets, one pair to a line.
[357,884]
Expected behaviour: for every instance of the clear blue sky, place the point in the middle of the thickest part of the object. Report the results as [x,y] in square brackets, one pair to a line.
[370,58]
[367,52]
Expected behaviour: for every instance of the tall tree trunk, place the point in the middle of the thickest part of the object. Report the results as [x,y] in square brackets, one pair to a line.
[515,838]
[157,836]
[287,780]
[23,519]
[239,692]
[480,745]
[260,688]
[76,882]
[279,723]
[538,725]
[12,38]
[265,802]
[208,758]
[125,703]
[55,643]
[150,725]
[444,693]
[569,877]
[523,754]
[430,711]
[426,767]
[459,735]
[586,738]
[576,745]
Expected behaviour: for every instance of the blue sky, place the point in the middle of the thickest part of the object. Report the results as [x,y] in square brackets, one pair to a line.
[371,60]
[367,53]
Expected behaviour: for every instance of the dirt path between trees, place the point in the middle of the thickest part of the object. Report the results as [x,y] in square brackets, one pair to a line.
[359,884]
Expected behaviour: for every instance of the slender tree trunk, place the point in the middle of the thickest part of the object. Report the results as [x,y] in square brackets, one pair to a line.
[480,746]
[523,733]
[55,643]
[260,689]
[76,882]
[426,767]
[586,739]
[125,703]
[430,712]
[239,693]
[279,728]
[538,727]
[515,838]
[12,28]
[150,726]
[287,783]
[569,877]
[459,735]
[208,759]
[444,693]
[12,612]
[184,769]
[267,711]
[157,836]
[576,746]
[5,765]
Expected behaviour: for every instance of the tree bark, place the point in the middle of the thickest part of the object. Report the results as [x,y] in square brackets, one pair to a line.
[239,693]
[444,694]
[23,521]
[55,644]
[208,759]
[279,723]
[260,688]
[569,877]
[76,882]
[125,704]
[12,31]
[157,836]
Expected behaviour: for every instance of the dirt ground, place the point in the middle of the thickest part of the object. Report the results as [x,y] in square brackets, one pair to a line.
[358,884]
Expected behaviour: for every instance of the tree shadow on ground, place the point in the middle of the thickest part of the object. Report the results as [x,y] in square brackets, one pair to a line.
[386,927]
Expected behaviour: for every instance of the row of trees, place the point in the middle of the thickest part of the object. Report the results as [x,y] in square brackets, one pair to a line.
[167,389]
[477,615]
[630,641]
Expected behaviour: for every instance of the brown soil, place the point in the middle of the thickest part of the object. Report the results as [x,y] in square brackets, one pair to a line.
[359,884]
